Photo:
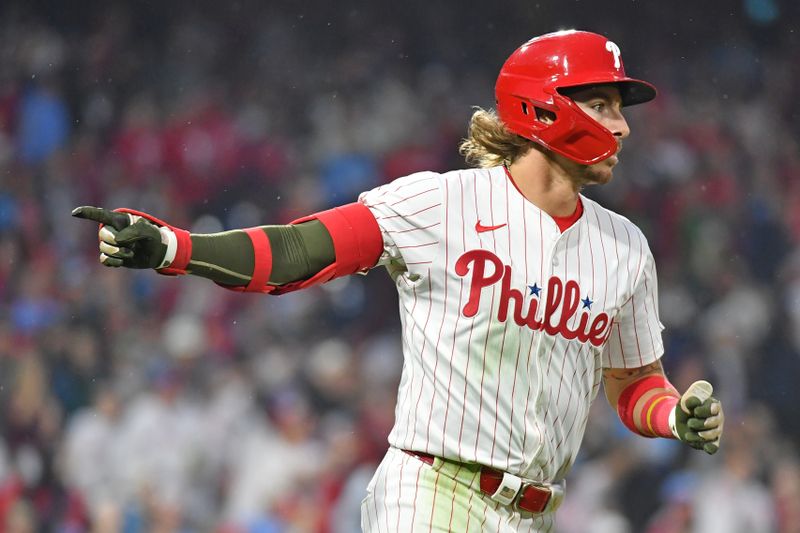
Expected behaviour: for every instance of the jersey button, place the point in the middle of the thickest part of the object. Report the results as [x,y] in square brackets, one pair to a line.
[555,261]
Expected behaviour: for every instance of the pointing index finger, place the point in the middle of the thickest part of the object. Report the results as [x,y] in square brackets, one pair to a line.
[117,220]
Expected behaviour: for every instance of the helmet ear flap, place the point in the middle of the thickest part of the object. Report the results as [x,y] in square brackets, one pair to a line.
[537,111]
[545,116]
[562,127]
[537,115]
[576,135]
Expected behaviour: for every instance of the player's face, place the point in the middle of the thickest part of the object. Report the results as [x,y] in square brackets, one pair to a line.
[603,103]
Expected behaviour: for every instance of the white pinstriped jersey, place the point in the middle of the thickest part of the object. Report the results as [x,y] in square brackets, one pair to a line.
[507,321]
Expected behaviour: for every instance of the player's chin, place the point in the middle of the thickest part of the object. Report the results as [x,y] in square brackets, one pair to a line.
[599,173]
[604,177]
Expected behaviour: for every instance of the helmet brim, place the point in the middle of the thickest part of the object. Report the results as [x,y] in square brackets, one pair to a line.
[636,91]
[631,90]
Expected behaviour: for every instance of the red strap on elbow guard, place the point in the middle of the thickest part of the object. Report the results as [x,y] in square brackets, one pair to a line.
[262,254]
[654,415]
[357,243]
[184,251]
[356,236]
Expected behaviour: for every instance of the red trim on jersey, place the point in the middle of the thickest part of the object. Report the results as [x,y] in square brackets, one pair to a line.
[564,223]
[511,178]
[654,416]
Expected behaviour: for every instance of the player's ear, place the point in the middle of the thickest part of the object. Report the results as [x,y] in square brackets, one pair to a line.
[544,116]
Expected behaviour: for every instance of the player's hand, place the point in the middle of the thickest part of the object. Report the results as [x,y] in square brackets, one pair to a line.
[699,418]
[126,240]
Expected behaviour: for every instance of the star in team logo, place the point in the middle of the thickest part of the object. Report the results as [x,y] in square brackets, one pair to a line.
[535,289]
[587,303]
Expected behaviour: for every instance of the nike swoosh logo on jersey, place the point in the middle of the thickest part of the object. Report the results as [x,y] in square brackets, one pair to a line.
[480,228]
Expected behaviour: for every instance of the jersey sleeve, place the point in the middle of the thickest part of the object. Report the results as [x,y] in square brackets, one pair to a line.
[409,214]
[635,336]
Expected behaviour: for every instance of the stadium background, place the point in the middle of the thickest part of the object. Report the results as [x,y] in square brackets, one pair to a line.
[134,402]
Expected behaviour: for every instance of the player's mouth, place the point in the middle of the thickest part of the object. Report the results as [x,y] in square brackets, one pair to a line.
[614,159]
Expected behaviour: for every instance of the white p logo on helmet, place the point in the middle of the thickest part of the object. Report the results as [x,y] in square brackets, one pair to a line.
[614,49]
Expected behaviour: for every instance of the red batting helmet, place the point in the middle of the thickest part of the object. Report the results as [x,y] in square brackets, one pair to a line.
[535,73]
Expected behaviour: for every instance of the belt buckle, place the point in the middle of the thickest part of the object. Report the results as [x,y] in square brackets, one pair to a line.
[556,491]
[512,489]
[556,496]
[527,485]
[508,491]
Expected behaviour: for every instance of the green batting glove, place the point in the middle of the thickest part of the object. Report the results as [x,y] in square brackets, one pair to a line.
[699,418]
[126,240]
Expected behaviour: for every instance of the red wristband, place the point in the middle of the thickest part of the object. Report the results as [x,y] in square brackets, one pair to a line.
[654,416]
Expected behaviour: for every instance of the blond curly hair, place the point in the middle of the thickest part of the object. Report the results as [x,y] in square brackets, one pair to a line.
[489,143]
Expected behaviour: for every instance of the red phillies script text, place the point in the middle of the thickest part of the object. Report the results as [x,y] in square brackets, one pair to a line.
[558,295]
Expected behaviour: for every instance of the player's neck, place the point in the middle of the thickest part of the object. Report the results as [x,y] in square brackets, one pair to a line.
[545,184]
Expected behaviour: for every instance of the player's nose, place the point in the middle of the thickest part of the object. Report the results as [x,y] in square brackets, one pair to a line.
[619,126]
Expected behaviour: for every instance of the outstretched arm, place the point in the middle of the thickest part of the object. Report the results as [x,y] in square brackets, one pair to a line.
[316,249]
[649,405]
[298,252]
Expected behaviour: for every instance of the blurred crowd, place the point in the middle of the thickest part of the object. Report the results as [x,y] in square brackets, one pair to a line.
[135,402]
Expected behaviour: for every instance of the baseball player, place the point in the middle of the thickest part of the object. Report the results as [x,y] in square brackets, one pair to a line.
[518,296]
